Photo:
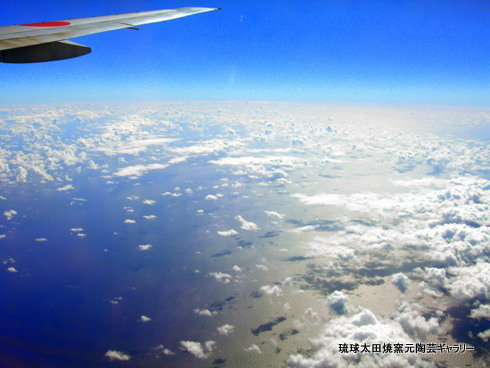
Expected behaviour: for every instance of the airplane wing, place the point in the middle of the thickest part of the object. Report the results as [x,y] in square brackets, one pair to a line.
[48,41]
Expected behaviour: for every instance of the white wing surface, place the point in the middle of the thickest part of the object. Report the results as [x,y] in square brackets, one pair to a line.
[47,41]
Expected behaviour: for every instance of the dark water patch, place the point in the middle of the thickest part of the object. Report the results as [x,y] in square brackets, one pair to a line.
[472,224]
[327,287]
[402,169]
[221,304]
[378,269]
[297,259]
[219,363]
[271,234]
[222,254]
[466,329]
[268,326]
[365,222]
[319,225]
[245,244]
[316,269]
[284,335]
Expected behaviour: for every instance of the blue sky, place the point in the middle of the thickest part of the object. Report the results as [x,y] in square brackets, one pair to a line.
[376,51]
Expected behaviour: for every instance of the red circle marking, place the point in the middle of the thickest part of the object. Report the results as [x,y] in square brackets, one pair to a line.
[47,24]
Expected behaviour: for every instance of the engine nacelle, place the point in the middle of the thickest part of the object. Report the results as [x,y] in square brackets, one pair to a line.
[44,52]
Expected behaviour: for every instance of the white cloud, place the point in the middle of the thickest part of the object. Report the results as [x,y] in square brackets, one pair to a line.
[221,277]
[230,232]
[134,146]
[274,214]
[150,217]
[262,267]
[139,170]
[144,247]
[226,329]
[201,351]
[129,221]
[237,268]
[211,197]
[360,328]
[40,240]
[65,188]
[485,335]
[272,290]
[401,281]
[205,312]
[483,312]
[170,194]
[414,324]
[116,355]
[338,301]
[206,147]
[246,225]
[253,349]
[471,282]
[164,350]
[149,202]
[145,319]
[12,269]
[10,214]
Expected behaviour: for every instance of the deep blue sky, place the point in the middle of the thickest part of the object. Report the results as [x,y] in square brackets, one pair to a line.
[353,51]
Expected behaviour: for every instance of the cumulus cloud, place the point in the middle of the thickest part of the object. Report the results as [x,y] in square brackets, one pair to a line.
[471,282]
[10,214]
[41,240]
[150,217]
[230,232]
[415,325]
[485,335]
[226,329]
[130,221]
[170,194]
[149,202]
[363,327]
[221,277]
[272,290]
[205,312]
[246,225]
[145,319]
[138,170]
[201,351]
[482,311]
[237,268]
[116,355]
[258,164]
[144,247]
[274,214]
[12,269]
[262,267]
[65,188]
[331,246]
[164,350]
[401,281]
[338,301]
[211,197]
[253,349]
